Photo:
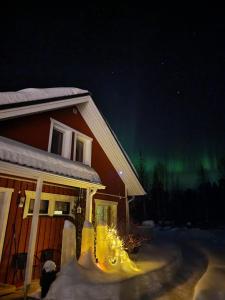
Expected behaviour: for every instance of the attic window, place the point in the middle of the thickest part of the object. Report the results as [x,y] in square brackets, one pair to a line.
[79,150]
[69,143]
[57,141]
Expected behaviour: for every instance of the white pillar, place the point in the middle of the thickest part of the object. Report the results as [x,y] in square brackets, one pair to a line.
[32,238]
[87,243]
[89,198]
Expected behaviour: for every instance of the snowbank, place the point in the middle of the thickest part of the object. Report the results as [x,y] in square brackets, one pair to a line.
[158,265]
[212,284]
[197,272]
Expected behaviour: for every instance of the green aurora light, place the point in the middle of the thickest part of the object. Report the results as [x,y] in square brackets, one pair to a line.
[183,172]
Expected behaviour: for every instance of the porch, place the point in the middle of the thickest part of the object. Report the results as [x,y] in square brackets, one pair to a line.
[10,292]
[26,163]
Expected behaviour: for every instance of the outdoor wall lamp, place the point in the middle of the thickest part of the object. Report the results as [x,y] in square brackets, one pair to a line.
[20,199]
[79,209]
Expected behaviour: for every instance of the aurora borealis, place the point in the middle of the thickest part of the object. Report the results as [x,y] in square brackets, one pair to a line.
[157,77]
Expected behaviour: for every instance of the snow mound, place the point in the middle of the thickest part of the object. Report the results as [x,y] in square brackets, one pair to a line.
[212,284]
[158,266]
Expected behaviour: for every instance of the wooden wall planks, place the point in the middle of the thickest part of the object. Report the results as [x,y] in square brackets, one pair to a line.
[18,230]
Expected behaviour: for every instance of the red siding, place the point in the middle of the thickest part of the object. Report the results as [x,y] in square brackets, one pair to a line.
[18,230]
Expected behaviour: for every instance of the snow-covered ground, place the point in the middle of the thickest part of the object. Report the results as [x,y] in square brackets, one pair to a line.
[75,282]
[178,264]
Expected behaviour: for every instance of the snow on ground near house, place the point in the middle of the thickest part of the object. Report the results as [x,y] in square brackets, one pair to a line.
[75,282]
[178,264]
[32,94]
[24,155]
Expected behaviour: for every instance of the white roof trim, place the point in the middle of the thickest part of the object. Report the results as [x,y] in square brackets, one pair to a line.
[118,158]
[25,172]
[25,110]
[24,155]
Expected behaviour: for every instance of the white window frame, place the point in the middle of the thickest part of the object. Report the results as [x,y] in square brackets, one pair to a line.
[87,141]
[67,141]
[112,204]
[52,198]
[4,213]
[67,137]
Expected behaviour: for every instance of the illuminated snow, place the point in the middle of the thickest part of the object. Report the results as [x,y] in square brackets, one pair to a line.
[68,243]
[198,274]
[75,282]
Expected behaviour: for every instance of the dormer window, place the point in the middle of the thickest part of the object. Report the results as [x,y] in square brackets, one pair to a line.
[69,143]
[79,150]
[57,141]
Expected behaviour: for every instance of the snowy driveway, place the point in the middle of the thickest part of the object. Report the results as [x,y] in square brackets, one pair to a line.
[177,265]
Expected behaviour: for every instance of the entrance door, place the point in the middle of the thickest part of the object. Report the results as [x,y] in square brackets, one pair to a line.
[105,212]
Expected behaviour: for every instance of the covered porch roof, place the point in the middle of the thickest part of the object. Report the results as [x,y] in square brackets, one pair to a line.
[29,162]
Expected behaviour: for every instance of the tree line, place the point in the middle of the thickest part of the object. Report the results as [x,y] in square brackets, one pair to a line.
[201,206]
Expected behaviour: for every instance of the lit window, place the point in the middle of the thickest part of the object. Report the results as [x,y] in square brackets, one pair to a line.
[106,212]
[51,204]
[62,208]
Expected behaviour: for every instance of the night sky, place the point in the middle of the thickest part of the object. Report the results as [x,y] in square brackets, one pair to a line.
[157,77]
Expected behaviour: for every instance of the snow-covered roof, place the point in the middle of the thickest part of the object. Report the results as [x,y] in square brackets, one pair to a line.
[32,101]
[25,155]
[32,94]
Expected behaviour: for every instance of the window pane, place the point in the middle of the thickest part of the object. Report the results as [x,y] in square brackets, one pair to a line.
[57,140]
[43,207]
[62,208]
[99,215]
[79,150]
[104,215]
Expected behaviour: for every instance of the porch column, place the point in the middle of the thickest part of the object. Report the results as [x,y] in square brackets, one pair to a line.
[87,243]
[89,198]
[32,238]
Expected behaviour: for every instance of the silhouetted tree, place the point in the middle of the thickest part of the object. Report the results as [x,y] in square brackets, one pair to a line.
[204,195]
[142,172]
[221,190]
[139,209]
[221,167]
[159,191]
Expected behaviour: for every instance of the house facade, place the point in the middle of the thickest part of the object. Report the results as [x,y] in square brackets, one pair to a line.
[59,160]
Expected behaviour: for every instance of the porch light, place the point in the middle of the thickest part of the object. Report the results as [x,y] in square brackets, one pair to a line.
[79,209]
[58,212]
[20,200]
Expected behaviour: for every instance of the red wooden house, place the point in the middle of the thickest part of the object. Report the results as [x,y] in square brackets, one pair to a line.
[59,159]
